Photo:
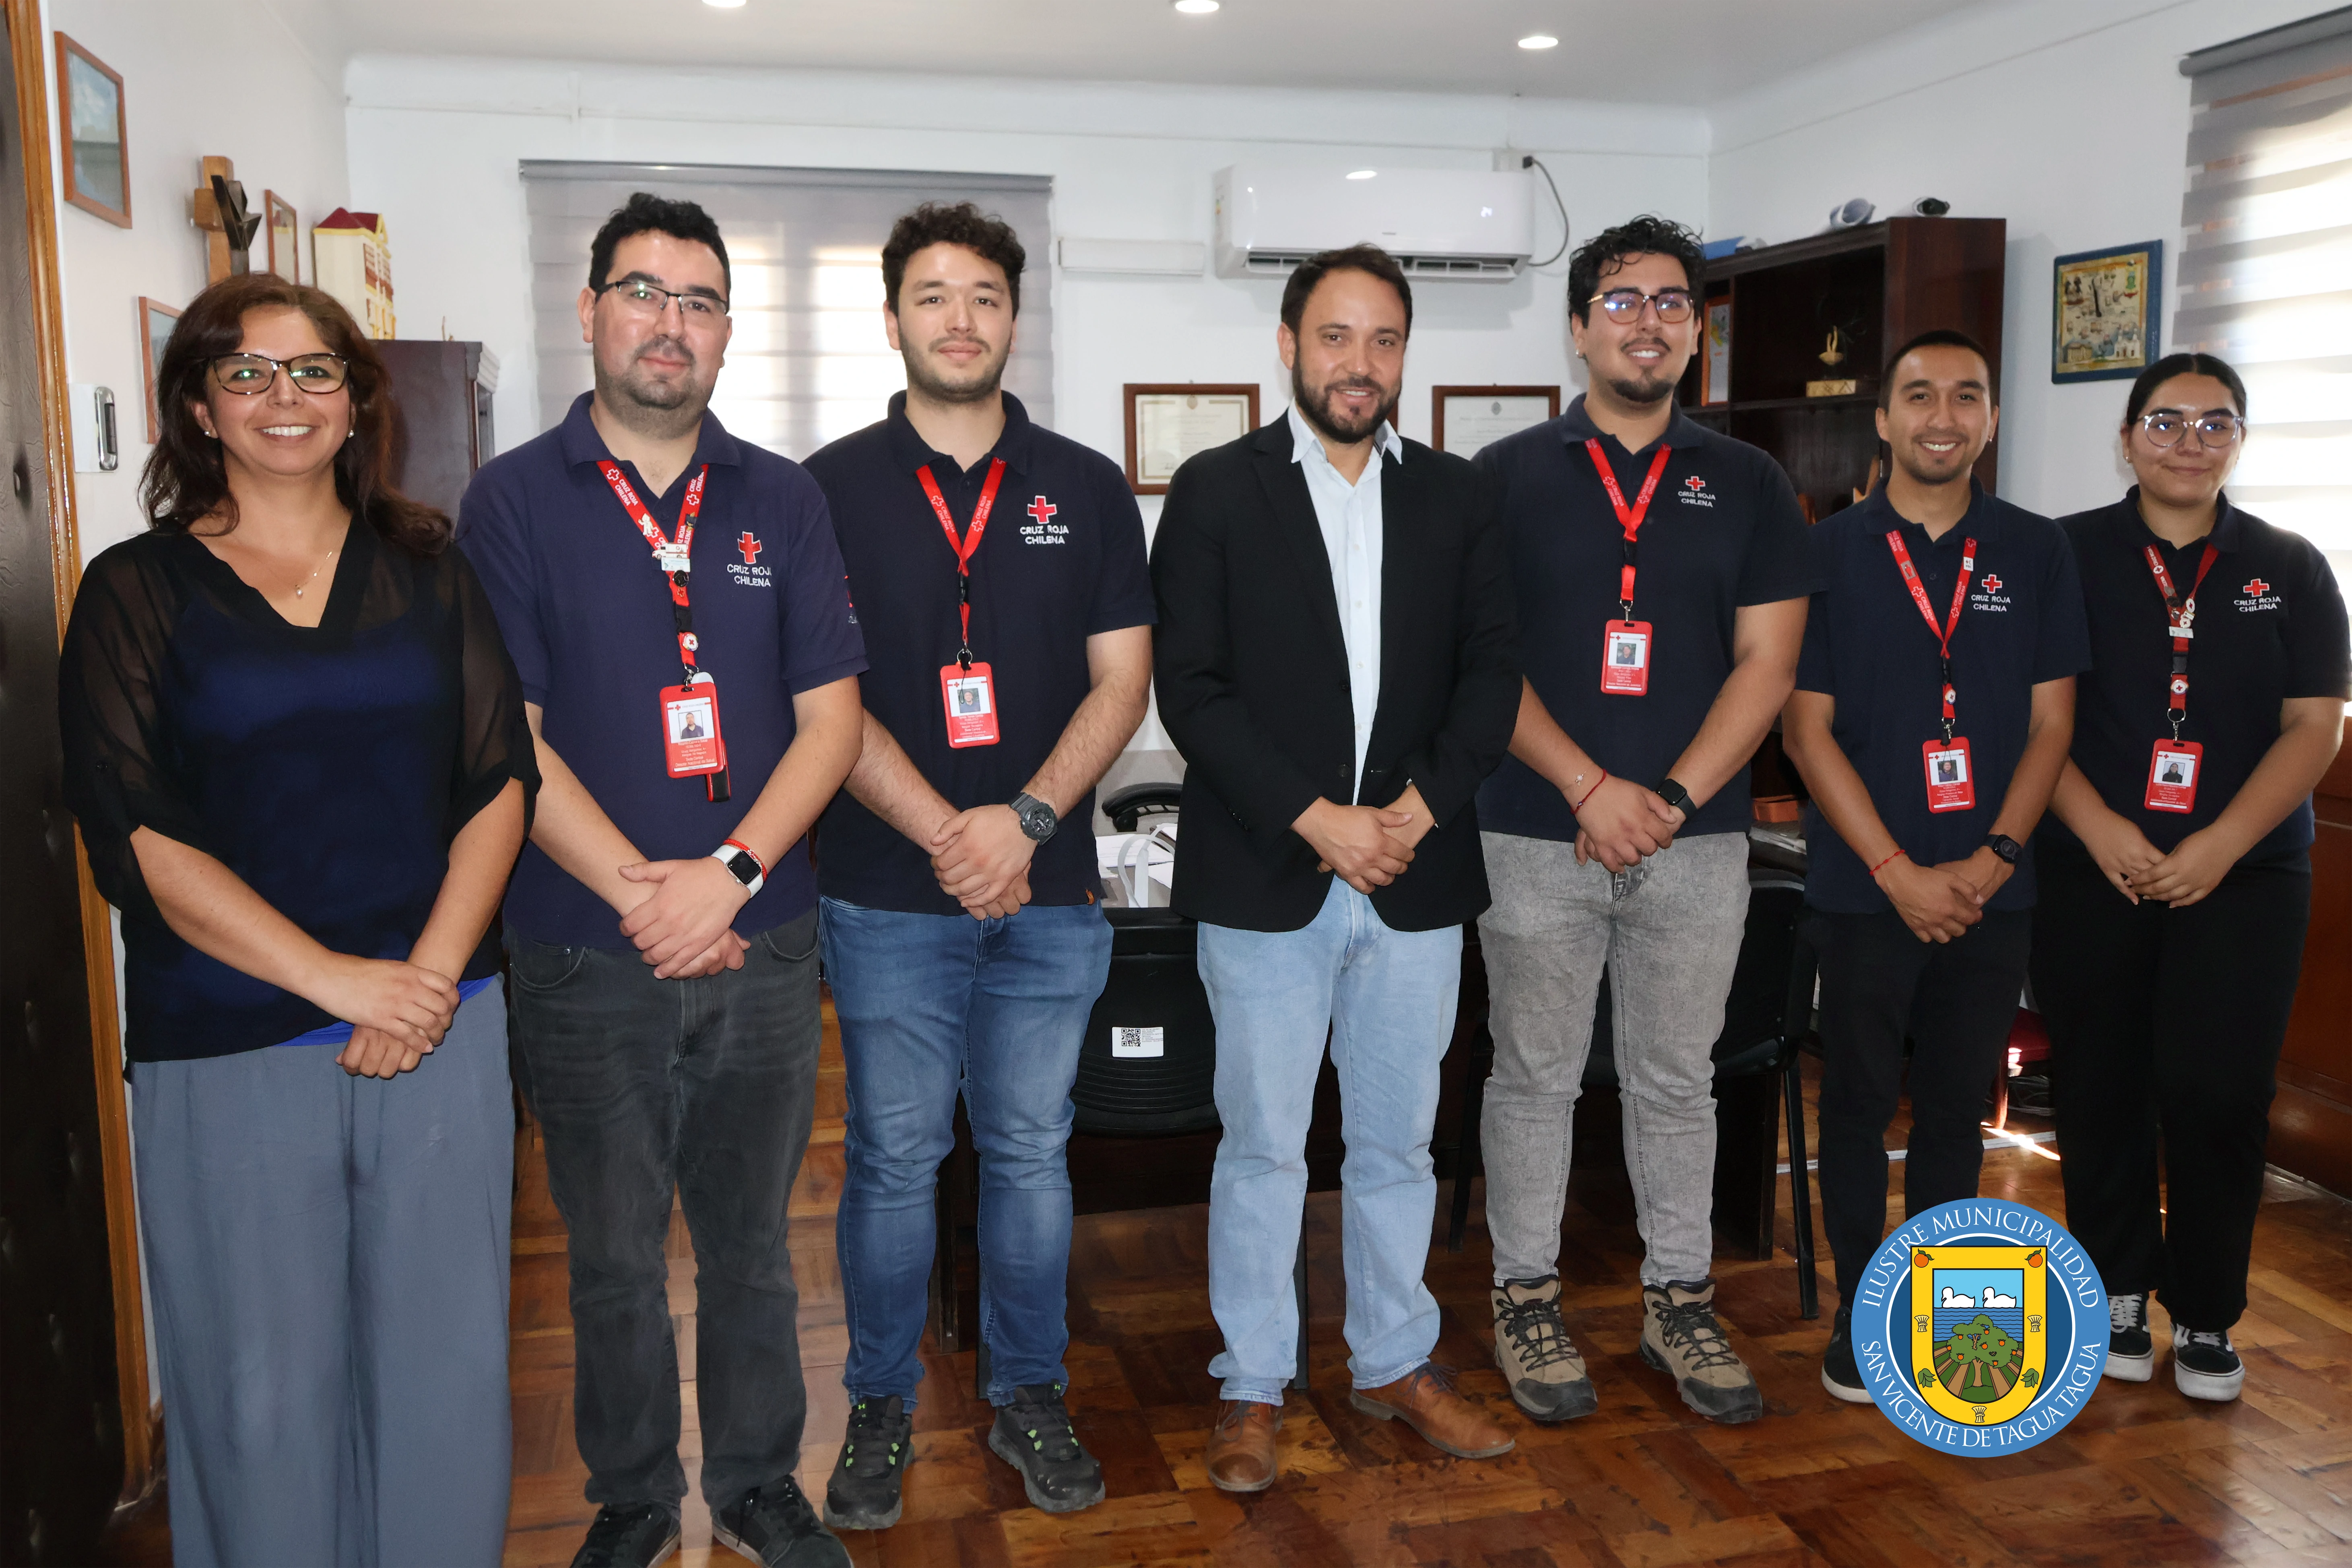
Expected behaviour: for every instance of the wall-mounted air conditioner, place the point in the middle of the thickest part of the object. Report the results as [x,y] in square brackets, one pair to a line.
[1468,224]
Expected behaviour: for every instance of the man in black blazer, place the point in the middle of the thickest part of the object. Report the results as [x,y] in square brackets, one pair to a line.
[1335,662]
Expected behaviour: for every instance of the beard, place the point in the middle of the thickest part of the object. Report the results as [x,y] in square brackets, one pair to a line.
[925,375]
[653,406]
[1315,405]
[1648,389]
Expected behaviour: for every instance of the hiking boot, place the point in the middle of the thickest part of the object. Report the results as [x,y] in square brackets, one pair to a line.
[2205,1365]
[632,1535]
[1538,1361]
[874,1453]
[1425,1399]
[775,1528]
[1241,1457]
[1034,1435]
[2131,1350]
[1839,1374]
[1680,1335]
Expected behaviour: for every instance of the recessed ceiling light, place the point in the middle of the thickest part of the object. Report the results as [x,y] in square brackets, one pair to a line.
[724,5]
[1196,7]
[1532,41]
[1363,174]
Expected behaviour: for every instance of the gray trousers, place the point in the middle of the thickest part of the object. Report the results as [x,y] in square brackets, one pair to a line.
[327,1257]
[1668,932]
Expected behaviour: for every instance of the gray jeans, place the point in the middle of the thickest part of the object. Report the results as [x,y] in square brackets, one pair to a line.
[1668,932]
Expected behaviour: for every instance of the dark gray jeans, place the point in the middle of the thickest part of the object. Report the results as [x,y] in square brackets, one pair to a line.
[643,1087]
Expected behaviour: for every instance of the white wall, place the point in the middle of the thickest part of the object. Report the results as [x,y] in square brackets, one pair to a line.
[2070,122]
[200,77]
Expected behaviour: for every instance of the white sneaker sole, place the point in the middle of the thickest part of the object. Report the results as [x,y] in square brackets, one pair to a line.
[1840,1391]
[2221,1389]
[2132,1368]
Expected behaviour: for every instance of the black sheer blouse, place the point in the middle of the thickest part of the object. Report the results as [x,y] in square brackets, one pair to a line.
[330,767]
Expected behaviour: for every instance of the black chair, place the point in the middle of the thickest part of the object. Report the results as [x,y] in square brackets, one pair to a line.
[1767,1020]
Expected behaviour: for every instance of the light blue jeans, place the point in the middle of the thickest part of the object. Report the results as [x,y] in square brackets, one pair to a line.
[1386,999]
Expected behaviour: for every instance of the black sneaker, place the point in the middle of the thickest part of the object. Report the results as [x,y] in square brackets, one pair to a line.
[2131,1351]
[863,1491]
[636,1535]
[2205,1365]
[1033,1436]
[1839,1374]
[775,1528]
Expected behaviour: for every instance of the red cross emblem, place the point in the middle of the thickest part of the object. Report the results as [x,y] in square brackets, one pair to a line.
[750,547]
[1991,583]
[2257,588]
[1694,483]
[1043,509]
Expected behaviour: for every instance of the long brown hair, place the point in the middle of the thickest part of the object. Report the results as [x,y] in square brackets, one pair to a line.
[186,481]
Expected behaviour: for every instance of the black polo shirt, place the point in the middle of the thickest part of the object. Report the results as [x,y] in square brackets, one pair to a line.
[1062,559]
[1723,531]
[1867,646]
[2270,625]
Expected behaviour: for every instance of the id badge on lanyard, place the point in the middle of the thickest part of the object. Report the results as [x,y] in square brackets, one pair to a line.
[692,746]
[1949,771]
[967,689]
[2172,764]
[1626,643]
[690,739]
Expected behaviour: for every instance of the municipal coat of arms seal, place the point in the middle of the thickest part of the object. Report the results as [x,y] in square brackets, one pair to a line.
[1980,1327]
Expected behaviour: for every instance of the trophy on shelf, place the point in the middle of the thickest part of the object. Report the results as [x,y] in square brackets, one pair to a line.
[1832,355]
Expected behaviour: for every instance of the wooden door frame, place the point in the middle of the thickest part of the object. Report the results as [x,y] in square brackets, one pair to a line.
[30,47]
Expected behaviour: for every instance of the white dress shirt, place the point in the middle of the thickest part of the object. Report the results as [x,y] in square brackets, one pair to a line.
[1349,517]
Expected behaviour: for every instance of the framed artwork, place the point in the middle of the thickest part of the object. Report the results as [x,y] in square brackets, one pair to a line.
[155,321]
[1715,352]
[90,106]
[285,237]
[1464,418]
[2106,314]
[1169,423]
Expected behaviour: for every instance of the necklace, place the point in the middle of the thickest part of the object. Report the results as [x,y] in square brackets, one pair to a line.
[321,566]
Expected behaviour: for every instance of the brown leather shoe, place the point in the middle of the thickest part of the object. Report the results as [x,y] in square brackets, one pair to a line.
[1427,1402]
[1241,1447]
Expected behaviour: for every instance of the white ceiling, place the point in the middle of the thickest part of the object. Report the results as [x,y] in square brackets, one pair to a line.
[1689,52]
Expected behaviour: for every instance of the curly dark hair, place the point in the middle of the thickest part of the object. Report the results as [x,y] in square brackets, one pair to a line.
[1369,259]
[644,213]
[985,235]
[1648,235]
[186,481]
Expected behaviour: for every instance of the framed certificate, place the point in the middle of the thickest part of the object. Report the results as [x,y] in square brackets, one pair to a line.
[1464,418]
[1167,424]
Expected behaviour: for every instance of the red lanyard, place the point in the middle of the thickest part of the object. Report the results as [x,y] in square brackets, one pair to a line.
[1628,517]
[2182,619]
[969,544]
[673,558]
[1919,597]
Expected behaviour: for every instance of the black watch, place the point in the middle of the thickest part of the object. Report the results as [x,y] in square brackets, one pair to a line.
[1674,794]
[2003,845]
[1038,818]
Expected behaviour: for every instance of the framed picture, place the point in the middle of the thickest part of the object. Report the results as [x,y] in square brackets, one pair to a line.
[97,163]
[1715,352]
[155,321]
[2106,314]
[1464,418]
[285,237]
[1167,424]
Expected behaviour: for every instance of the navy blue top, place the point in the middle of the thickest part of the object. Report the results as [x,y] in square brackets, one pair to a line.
[1867,646]
[587,615]
[1062,559]
[1723,531]
[2270,625]
[328,767]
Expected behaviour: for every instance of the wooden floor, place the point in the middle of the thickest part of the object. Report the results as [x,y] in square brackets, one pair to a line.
[2143,1476]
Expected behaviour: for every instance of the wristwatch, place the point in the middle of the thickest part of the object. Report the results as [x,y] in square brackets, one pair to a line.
[2003,845]
[1038,818]
[1674,794]
[742,865]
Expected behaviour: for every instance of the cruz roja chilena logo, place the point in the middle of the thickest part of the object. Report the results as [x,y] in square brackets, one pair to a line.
[1980,1327]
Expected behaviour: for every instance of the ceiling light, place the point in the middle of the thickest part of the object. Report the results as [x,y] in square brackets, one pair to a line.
[724,5]
[1363,174]
[1532,41]
[1196,7]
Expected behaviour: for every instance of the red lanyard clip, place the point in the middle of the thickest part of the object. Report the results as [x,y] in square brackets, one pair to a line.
[2182,619]
[674,557]
[1919,596]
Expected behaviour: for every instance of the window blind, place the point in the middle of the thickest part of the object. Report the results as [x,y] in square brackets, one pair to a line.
[808,362]
[2265,272]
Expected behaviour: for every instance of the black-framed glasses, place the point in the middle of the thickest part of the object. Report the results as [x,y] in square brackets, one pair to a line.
[649,300]
[249,376]
[2166,427]
[1624,305]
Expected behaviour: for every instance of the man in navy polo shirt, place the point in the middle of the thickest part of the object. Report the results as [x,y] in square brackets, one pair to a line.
[999,569]
[652,576]
[1662,574]
[1934,700]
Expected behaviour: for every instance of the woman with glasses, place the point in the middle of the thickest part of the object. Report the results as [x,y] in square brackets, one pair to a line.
[297,753]
[2175,868]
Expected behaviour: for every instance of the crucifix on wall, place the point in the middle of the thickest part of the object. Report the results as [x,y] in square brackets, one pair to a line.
[229,225]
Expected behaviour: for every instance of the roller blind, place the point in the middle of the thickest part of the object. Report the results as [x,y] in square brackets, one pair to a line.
[808,362]
[2265,273]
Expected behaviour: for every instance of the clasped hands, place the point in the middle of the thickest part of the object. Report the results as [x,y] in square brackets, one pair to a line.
[398,1009]
[1940,903]
[1621,824]
[1369,846]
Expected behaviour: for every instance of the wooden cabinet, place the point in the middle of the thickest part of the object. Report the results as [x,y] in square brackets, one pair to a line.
[442,392]
[2311,1121]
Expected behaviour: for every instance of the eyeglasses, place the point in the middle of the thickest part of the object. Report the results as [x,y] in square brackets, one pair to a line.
[1624,305]
[645,301]
[2166,427]
[249,375]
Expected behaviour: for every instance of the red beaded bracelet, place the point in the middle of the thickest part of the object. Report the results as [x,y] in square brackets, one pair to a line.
[1588,793]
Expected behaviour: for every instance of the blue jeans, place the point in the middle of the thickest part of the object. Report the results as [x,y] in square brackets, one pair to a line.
[1387,999]
[932,1005]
